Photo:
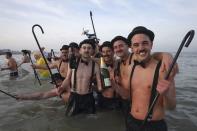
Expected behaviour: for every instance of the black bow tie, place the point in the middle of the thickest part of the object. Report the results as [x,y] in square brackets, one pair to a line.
[142,64]
[85,62]
[109,65]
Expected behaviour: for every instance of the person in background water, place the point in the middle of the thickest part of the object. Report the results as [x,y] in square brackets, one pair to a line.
[11,65]
[80,79]
[25,58]
[40,61]
[44,52]
[62,66]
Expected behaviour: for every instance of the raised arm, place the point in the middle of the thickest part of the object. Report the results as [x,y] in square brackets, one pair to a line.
[66,83]
[37,95]
[166,59]
[166,89]
[98,77]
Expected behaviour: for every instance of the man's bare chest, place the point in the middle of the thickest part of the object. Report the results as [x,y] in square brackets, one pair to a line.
[84,72]
[63,67]
[125,71]
[142,79]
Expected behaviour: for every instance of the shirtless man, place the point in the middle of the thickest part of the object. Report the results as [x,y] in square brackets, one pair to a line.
[80,79]
[62,66]
[107,99]
[11,65]
[122,72]
[145,78]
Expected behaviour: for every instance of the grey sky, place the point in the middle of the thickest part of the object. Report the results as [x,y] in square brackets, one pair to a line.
[63,21]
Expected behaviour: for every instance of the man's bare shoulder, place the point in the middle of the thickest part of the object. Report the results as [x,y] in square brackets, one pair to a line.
[12,60]
[56,63]
[154,61]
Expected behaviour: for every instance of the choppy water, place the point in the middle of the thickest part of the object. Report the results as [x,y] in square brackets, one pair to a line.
[48,115]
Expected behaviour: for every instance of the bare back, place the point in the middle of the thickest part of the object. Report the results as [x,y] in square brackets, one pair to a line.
[12,64]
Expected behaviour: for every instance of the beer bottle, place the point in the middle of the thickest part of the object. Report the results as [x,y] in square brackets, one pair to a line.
[105,75]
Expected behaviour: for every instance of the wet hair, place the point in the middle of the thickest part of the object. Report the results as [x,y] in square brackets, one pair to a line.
[119,38]
[9,54]
[74,45]
[141,30]
[91,42]
[106,44]
[37,53]
[26,51]
[64,47]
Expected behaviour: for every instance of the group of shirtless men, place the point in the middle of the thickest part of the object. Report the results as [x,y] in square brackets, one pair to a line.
[134,77]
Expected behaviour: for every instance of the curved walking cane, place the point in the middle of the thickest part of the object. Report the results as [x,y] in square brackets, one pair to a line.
[42,52]
[35,73]
[186,41]
[8,94]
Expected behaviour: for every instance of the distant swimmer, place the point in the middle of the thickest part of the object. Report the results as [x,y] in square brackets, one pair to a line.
[25,58]
[40,61]
[11,65]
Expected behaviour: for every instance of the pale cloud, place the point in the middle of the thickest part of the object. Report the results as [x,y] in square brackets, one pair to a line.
[178,7]
[97,3]
[36,7]
[63,20]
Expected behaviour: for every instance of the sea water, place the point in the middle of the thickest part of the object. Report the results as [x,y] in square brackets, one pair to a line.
[49,114]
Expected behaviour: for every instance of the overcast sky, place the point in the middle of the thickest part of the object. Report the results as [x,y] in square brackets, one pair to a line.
[64,20]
